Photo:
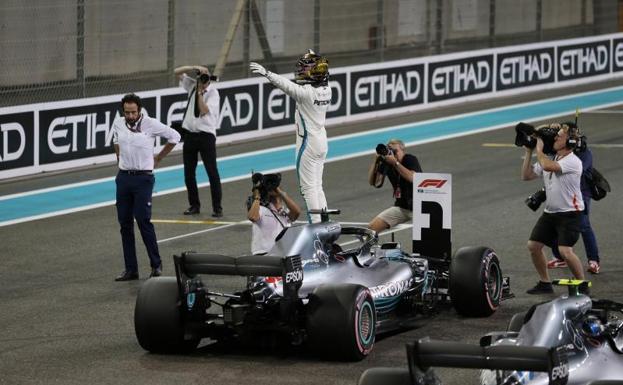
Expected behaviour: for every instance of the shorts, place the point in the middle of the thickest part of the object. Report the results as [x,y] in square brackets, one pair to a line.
[395,215]
[563,227]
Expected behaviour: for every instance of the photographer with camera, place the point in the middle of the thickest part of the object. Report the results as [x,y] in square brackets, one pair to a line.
[200,123]
[271,210]
[588,235]
[392,161]
[561,170]
[312,93]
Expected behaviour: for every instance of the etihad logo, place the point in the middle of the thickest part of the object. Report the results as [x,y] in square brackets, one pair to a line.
[437,183]
[457,78]
[578,61]
[526,68]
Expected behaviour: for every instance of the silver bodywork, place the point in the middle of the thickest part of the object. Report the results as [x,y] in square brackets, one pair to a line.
[388,273]
[559,323]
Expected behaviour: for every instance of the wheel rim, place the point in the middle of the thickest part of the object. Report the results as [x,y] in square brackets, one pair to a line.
[494,282]
[366,324]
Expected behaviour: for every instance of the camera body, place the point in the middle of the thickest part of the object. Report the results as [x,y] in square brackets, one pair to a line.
[265,183]
[526,136]
[383,150]
[534,201]
[204,78]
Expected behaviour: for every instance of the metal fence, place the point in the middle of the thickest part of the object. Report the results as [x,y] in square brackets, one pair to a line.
[67,49]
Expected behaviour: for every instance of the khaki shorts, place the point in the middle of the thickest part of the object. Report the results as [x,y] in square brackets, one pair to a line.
[395,215]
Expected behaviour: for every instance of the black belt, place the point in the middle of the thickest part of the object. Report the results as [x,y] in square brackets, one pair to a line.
[136,172]
[197,133]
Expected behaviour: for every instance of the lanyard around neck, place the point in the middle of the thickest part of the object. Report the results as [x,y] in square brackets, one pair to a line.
[136,124]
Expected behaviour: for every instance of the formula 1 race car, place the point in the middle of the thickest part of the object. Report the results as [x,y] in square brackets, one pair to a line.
[573,340]
[310,290]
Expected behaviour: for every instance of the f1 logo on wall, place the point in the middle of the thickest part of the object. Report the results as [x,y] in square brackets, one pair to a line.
[432,214]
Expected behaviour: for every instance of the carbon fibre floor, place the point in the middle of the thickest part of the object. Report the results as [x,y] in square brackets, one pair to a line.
[64,320]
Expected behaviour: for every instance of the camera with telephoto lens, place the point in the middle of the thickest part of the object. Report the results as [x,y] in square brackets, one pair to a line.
[204,78]
[534,201]
[526,136]
[383,150]
[265,183]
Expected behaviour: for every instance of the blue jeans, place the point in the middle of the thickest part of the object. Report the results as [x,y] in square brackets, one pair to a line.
[134,201]
[588,236]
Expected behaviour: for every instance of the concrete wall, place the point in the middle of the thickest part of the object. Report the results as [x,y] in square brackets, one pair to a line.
[38,39]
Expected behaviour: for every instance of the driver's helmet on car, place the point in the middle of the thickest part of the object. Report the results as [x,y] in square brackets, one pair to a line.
[592,326]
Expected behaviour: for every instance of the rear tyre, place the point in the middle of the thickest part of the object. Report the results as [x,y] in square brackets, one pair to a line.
[475,281]
[158,321]
[341,321]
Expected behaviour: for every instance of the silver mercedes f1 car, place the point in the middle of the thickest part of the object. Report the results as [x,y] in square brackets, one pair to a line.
[313,291]
[572,340]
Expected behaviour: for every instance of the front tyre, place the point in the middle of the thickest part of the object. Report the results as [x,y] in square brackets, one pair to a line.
[157,318]
[475,281]
[341,321]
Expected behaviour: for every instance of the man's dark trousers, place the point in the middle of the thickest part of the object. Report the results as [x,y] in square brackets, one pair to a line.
[134,201]
[204,144]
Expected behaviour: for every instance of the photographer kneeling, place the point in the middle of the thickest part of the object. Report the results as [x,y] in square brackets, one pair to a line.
[398,166]
[267,212]
[563,202]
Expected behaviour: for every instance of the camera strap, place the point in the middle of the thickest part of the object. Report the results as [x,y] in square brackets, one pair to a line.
[397,192]
[197,110]
[193,92]
[275,215]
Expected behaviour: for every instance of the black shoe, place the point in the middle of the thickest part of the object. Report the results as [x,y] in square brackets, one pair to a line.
[541,288]
[156,272]
[192,210]
[127,276]
[217,213]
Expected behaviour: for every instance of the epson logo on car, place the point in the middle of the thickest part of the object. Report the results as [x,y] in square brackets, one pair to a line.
[294,276]
[560,372]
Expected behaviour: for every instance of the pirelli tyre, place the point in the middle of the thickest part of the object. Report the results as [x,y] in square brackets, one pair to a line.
[157,318]
[475,281]
[341,322]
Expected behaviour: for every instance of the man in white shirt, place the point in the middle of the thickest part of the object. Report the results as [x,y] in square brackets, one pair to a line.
[271,210]
[200,123]
[133,139]
[312,94]
[563,205]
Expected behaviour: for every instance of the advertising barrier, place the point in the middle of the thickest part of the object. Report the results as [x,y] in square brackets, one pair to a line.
[56,135]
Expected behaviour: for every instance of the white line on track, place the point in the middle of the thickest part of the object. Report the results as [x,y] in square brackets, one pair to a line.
[397,228]
[592,145]
[604,112]
[202,231]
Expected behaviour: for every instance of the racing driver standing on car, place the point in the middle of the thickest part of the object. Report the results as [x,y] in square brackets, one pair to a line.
[563,204]
[312,94]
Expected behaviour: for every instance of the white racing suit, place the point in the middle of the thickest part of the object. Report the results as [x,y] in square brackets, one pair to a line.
[312,104]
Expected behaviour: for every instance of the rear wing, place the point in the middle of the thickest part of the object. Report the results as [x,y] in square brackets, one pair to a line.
[289,268]
[424,354]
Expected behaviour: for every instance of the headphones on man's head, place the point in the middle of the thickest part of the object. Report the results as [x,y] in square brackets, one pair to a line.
[573,135]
